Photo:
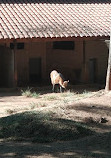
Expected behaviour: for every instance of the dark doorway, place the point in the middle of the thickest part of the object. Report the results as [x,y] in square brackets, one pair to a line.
[6,67]
[35,70]
[92,70]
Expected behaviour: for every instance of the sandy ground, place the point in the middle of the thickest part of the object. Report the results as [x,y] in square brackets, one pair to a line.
[92,108]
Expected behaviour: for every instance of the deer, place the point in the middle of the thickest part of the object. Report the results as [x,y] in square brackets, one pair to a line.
[57,78]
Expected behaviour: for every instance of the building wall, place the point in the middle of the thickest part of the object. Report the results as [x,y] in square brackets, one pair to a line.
[17,60]
[68,62]
[98,50]
[73,64]
[31,50]
[6,67]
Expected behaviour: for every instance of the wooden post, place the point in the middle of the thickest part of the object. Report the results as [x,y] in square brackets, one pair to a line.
[108,77]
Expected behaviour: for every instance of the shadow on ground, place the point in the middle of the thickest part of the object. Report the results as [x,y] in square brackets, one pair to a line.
[42,128]
[44,89]
[55,137]
[93,147]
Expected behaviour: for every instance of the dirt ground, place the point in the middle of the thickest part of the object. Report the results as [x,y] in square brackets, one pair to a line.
[94,108]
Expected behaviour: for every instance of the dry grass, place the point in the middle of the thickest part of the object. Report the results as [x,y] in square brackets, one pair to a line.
[42,99]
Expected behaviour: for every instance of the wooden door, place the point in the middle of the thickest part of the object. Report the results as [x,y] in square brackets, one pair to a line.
[35,70]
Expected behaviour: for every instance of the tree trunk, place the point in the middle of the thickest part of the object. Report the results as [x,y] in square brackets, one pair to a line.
[108,77]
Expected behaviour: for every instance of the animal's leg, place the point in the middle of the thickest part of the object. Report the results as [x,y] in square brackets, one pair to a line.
[53,88]
[60,89]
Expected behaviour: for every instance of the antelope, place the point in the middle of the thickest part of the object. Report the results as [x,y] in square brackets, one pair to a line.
[57,78]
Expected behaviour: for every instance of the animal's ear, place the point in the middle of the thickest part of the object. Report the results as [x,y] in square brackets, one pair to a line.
[68,81]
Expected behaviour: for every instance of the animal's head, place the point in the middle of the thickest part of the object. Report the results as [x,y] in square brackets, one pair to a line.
[65,83]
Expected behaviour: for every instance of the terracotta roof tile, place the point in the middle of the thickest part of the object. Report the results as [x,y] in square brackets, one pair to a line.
[60,18]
